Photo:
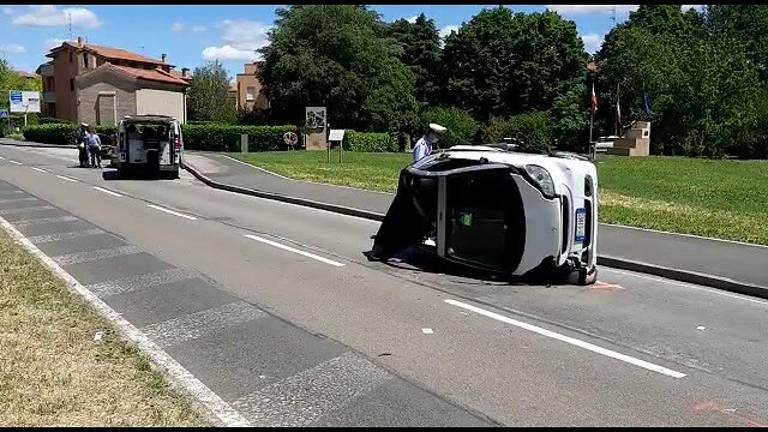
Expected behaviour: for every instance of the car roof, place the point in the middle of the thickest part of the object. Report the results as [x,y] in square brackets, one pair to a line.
[149,117]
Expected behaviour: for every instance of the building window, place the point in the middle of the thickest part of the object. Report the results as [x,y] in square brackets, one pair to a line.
[250,93]
[71,84]
[70,56]
[50,84]
[85,60]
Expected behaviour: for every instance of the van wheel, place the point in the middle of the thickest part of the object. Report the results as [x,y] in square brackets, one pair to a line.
[587,278]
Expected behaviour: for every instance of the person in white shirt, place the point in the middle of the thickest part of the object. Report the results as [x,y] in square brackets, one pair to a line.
[423,147]
[94,147]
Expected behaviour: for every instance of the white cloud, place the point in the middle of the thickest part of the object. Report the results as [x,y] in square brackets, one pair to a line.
[47,15]
[242,39]
[412,19]
[12,48]
[445,31]
[591,9]
[53,43]
[592,42]
[182,28]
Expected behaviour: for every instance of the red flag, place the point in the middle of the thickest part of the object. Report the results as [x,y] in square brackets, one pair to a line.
[593,102]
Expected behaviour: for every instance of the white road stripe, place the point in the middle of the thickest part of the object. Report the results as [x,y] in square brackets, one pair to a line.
[24,209]
[95,255]
[301,399]
[65,178]
[40,170]
[144,281]
[107,191]
[47,238]
[162,209]
[294,250]
[1,158]
[23,223]
[579,343]
[198,324]
[14,162]
[13,200]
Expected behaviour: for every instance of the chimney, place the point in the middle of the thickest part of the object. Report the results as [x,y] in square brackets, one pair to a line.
[184,72]
[163,57]
[80,41]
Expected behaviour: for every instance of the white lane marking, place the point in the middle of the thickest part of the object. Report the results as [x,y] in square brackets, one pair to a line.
[65,178]
[294,250]
[139,282]
[216,408]
[427,331]
[47,238]
[14,162]
[107,191]
[40,170]
[687,285]
[196,325]
[162,209]
[95,255]
[2,158]
[579,343]
[301,399]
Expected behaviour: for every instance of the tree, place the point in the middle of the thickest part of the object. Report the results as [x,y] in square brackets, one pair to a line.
[12,80]
[420,50]
[746,25]
[462,128]
[337,56]
[209,98]
[502,63]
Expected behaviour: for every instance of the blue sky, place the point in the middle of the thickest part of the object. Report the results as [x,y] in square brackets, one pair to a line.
[192,35]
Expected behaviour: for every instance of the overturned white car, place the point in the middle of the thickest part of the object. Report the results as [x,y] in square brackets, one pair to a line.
[497,209]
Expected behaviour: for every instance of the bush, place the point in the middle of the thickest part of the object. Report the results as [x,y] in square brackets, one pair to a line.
[220,137]
[370,141]
[533,129]
[58,133]
[49,120]
[461,126]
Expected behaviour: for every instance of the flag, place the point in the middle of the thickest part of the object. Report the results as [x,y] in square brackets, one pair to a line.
[618,110]
[646,103]
[593,101]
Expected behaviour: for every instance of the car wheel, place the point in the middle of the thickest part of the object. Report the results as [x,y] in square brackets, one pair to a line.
[587,278]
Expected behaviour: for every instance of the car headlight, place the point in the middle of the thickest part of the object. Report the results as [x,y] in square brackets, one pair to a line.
[541,179]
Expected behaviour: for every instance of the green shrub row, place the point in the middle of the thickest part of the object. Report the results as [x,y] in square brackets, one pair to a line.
[370,141]
[220,137]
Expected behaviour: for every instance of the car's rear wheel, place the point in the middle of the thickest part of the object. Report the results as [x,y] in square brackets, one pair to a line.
[587,278]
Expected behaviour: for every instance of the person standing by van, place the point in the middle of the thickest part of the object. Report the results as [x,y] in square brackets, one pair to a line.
[94,147]
[423,147]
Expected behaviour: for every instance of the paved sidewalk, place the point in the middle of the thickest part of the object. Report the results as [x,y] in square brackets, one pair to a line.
[737,265]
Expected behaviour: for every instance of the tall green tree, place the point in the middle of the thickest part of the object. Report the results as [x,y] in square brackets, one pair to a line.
[419,44]
[503,63]
[12,80]
[337,56]
[209,98]
[746,25]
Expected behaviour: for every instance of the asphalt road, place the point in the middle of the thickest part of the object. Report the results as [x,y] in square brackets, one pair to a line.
[276,309]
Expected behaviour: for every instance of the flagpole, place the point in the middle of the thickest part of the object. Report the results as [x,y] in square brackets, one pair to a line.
[591,121]
[616,126]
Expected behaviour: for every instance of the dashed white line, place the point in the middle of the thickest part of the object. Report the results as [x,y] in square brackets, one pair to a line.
[65,178]
[14,162]
[162,209]
[2,158]
[40,170]
[579,343]
[294,250]
[107,191]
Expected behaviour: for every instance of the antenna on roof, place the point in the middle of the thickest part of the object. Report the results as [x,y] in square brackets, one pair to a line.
[613,14]
[69,15]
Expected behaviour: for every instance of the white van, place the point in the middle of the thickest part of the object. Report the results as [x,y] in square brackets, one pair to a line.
[151,144]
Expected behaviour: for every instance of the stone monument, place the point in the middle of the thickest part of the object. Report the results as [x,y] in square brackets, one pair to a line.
[636,142]
[315,125]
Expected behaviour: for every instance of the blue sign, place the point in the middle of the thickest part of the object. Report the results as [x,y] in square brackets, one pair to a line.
[15,96]
[3,113]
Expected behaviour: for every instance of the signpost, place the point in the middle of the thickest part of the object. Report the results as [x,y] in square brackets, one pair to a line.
[336,135]
[24,102]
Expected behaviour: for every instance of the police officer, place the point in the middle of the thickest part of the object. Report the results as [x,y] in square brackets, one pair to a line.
[423,147]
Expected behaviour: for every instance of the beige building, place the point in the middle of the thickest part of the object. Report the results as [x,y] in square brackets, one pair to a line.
[249,89]
[99,85]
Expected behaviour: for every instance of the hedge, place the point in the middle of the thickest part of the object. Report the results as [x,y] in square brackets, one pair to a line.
[220,137]
[58,133]
[370,141]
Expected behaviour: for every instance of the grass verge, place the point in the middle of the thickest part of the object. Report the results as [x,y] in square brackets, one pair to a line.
[53,372]
[724,199]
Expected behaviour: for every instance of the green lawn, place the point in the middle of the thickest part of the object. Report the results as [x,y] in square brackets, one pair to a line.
[715,198]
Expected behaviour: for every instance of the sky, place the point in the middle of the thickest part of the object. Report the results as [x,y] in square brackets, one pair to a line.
[191,35]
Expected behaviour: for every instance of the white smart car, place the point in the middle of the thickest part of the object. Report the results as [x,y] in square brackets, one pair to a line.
[497,209]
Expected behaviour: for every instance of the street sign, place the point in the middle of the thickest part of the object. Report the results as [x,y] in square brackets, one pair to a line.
[3,113]
[24,101]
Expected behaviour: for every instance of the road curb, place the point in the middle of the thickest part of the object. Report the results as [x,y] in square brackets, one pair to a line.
[692,277]
[350,211]
[608,261]
[39,145]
